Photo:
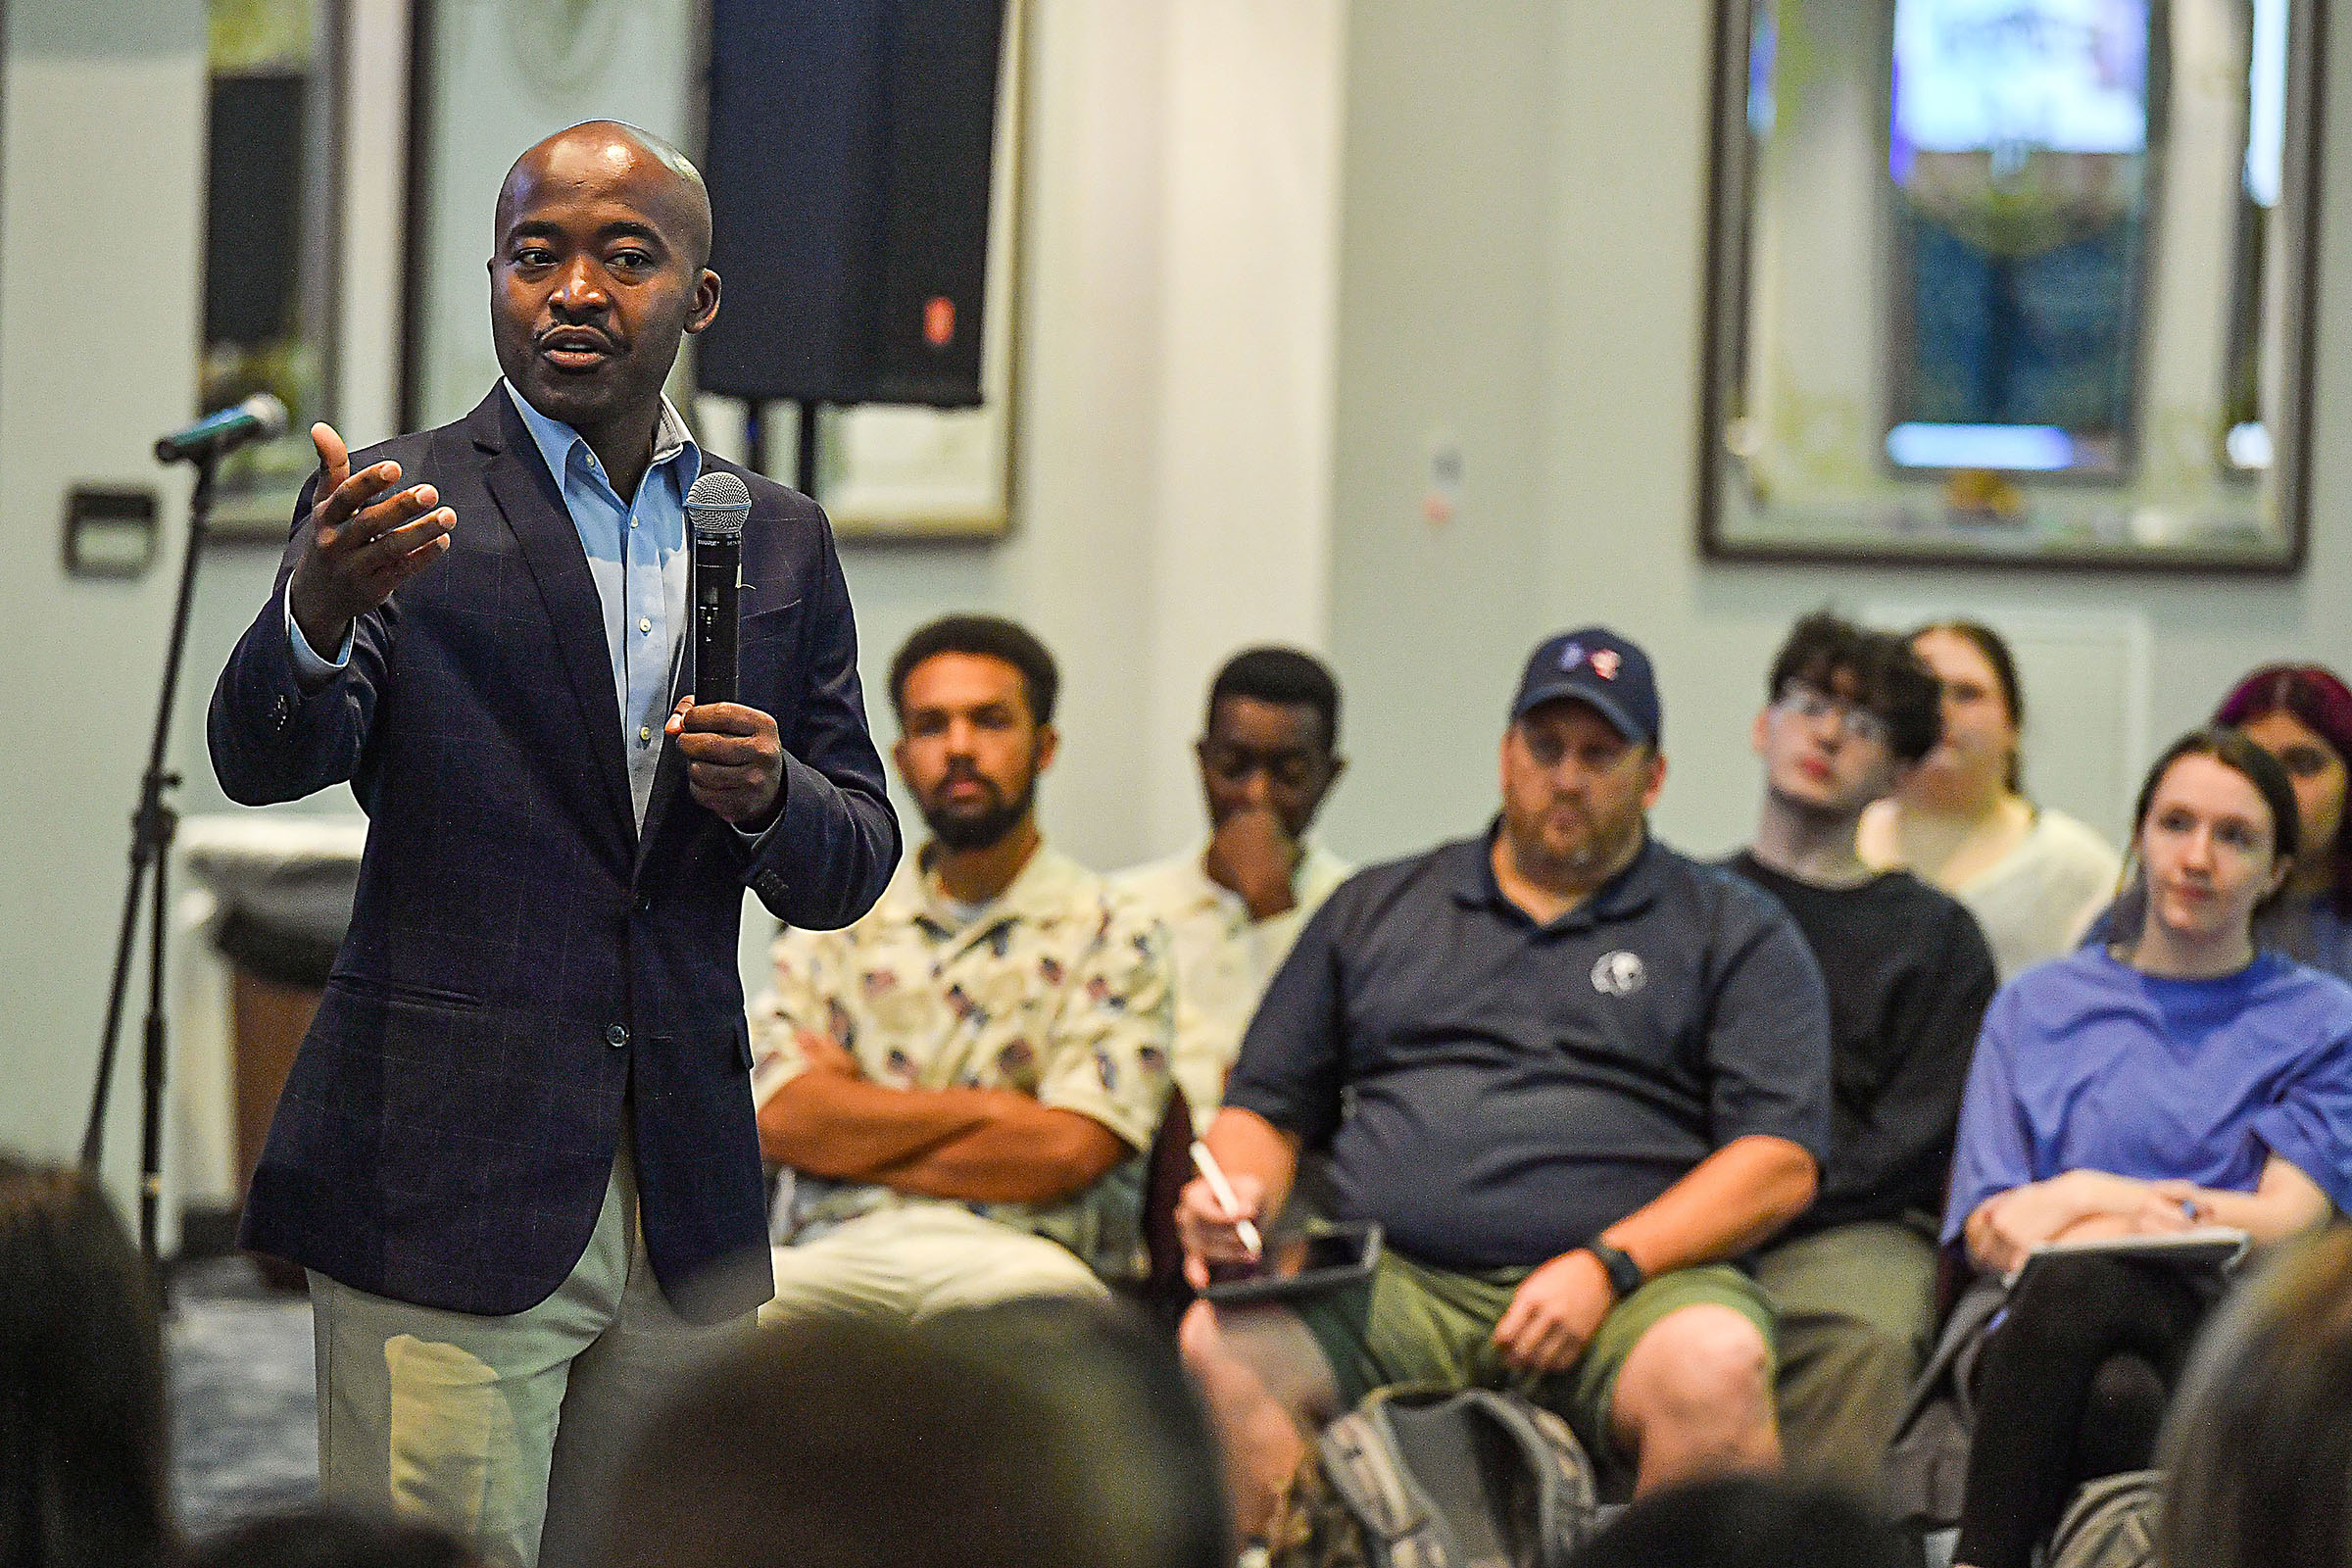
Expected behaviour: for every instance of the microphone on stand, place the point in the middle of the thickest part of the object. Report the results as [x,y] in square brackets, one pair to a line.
[716,509]
[260,418]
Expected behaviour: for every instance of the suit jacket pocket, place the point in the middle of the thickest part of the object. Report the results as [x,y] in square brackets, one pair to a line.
[415,996]
[769,658]
[780,622]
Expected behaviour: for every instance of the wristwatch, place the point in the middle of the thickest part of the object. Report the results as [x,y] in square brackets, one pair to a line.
[1625,1275]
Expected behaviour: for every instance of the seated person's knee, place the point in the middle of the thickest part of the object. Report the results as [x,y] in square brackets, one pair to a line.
[1703,1366]
[1200,1336]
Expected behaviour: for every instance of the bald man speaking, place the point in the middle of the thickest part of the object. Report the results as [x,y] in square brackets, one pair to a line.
[517,1153]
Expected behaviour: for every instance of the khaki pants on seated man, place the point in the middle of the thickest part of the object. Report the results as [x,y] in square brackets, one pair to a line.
[918,1262]
[1856,1305]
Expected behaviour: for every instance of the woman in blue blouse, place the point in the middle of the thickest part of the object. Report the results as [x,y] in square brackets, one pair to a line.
[2182,1079]
[2302,715]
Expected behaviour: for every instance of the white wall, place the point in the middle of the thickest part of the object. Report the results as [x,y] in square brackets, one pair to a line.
[1444,288]
[1593,134]
[99,227]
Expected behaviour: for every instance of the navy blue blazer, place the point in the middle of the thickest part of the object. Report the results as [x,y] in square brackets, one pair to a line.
[521,961]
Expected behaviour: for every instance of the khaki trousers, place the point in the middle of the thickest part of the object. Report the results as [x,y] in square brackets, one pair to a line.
[919,1262]
[1856,1305]
[505,1429]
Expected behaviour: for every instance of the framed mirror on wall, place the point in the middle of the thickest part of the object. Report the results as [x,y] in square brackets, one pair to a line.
[2018,281]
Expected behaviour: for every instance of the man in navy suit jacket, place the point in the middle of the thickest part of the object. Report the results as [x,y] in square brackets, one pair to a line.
[517,1152]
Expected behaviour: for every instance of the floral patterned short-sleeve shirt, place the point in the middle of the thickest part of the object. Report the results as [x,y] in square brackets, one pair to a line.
[1058,988]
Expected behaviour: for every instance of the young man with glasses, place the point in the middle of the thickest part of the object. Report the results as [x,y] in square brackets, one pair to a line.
[1850,712]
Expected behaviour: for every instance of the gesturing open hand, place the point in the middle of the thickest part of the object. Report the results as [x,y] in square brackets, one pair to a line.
[359,543]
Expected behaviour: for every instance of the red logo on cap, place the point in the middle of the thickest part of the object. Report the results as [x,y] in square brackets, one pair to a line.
[1604,663]
[939,320]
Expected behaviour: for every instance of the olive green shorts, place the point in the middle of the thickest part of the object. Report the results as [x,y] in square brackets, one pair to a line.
[1415,1323]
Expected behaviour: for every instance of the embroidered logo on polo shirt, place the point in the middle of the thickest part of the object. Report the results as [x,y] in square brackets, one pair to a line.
[1619,973]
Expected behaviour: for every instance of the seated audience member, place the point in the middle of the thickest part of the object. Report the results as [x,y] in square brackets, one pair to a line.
[2033,877]
[959,1084]
[1853,1278]
[2258,1454]
[2302,715]
[2183,1078]
[1231,907]
[334,1538]
[1747,1522]
[1032,1434]
[1571,1072]
[83,1462]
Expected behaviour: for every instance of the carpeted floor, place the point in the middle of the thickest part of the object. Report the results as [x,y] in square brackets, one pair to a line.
[244,1398]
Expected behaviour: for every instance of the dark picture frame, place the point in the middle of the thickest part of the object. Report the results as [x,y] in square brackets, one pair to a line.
[1727,529]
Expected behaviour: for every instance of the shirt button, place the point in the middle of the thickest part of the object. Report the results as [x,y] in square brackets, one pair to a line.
[645,626]
[616,1035]
[645,733]
[632,522]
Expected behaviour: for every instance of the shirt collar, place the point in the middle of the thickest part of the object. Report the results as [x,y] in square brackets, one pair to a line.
[556,441]
[1043,887]
[1627,893]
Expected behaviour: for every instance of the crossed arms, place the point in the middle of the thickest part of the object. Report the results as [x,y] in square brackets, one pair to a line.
[978,1145]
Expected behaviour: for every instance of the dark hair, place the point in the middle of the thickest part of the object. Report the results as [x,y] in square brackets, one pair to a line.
[1036,1435]
[1995,650]
[2319,702]
[82,1436]
[1747,1522]
[332,1536]
[991,637]
[2257,1454]
[2234,752]
[1286,677]
[1880,672]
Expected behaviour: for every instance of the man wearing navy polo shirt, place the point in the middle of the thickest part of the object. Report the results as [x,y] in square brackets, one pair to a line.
[1570,1072]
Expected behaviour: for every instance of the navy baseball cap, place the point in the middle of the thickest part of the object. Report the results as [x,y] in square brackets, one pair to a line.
[1600,670]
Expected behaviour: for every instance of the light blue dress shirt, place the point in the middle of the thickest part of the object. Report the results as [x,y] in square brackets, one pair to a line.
[637,554]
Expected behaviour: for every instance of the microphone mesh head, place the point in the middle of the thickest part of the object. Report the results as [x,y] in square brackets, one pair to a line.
[717,505]
[267,412]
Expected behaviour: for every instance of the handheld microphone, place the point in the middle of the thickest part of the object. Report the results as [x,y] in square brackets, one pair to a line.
[258,417]
[716,509]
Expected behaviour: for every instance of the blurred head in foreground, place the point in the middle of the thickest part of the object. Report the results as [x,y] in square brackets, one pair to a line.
[330,1536]
[82,1453]
[2258,1452]
[1747,1522]
[1037,1435]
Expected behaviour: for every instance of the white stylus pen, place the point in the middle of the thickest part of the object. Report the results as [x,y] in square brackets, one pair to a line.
[1214,1174]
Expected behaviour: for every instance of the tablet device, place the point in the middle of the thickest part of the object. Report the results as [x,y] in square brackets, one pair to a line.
[1303,1263]
[2216,1247]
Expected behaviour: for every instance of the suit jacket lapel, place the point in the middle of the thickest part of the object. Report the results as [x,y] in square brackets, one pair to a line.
[669,774]
[551,546]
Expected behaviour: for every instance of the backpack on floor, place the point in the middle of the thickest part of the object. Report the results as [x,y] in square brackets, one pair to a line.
[2110,1523]
[1420,1477]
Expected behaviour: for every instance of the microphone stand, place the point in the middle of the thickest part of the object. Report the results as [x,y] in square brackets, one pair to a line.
[152,828]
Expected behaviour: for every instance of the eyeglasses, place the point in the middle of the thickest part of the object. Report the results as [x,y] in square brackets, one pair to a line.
[1813,705]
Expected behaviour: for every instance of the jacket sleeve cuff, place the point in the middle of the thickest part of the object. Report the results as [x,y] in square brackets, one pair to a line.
[311,672]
